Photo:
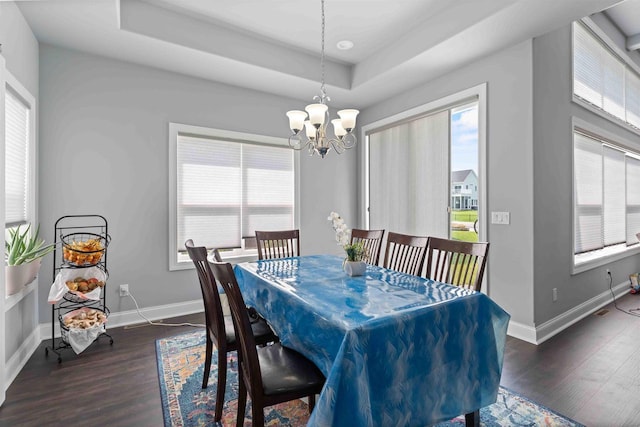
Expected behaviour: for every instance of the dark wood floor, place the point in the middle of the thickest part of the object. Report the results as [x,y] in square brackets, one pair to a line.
[589,372]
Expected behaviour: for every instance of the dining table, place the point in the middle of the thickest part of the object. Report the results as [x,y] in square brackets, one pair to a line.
[396,349]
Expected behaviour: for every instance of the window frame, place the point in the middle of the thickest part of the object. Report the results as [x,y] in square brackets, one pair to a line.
[608,254]
[176,129]
[13,84]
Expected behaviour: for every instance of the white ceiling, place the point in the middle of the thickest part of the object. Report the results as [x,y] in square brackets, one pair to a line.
[274,46]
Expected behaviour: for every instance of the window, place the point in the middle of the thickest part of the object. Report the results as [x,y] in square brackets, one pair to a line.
[602,80]
[225,186]
[606,200]
[19,165]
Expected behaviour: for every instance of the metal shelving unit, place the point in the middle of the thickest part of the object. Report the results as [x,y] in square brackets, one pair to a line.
[71,228]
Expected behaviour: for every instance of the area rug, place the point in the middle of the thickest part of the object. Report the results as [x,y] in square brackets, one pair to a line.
[185,403]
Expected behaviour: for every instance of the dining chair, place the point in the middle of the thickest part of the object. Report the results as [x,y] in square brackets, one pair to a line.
[372,242]
[457,263]
[405,253]
[219,328]
[272,374]
[278,244]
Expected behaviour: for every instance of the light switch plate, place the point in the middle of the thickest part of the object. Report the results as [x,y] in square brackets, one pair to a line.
[503,218]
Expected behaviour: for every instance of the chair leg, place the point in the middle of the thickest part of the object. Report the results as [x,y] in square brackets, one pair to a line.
[472,419]
[207,362]
[242,400]
[257,415]
[312,402]
[222,384]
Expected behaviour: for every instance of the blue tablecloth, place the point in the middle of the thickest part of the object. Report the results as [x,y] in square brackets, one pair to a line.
[397,350]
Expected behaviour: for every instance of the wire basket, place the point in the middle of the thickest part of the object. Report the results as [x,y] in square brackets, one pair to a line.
[90,330]
[84,249]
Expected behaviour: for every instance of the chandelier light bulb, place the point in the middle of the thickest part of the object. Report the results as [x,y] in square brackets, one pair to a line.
[296,120]
[310,130]
[338,129]
[348,119]
[317,113]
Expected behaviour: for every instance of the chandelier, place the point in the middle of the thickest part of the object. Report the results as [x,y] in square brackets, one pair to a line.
[315,137]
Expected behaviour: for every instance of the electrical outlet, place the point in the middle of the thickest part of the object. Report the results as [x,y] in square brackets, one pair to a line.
[124,290]
[608,272]
[555,294]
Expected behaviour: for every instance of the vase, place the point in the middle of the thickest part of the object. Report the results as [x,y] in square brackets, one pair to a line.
[355,268]
[17,276]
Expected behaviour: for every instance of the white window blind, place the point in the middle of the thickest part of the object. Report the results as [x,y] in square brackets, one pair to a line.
[632,98]
[409,176]
[633,199]
[602,79]
[17,116]
[588,186]
[613,196]
[227,189]
[607,203]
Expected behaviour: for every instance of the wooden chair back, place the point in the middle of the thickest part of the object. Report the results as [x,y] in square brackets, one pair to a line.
[405,253]
[212,305]
[249,364]
[457,263]
[372,242]
[278,244]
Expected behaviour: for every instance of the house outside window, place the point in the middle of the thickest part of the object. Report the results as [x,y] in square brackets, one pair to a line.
[226,185]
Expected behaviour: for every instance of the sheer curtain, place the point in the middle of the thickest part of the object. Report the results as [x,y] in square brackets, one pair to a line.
[409,176]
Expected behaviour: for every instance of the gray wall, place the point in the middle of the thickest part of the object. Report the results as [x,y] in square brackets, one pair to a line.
[509,164]
[104,149]
[20,51]
[553,153]
[19,46]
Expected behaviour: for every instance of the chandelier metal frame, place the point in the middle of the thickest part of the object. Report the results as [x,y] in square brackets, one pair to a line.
[315,138]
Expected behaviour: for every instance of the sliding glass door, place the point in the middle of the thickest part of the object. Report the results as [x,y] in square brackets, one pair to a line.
[423,173]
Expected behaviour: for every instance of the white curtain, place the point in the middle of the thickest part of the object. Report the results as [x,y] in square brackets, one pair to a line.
[409,177]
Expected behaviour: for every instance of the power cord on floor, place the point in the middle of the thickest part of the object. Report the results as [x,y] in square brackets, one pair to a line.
[629,312]
[150,322]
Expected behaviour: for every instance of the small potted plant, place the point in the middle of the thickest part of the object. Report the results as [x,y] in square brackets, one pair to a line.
[23,253]
[353,264]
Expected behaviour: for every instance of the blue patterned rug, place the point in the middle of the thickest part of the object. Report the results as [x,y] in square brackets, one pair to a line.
[185,403]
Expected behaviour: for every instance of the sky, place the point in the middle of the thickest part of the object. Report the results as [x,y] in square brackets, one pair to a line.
[464,138]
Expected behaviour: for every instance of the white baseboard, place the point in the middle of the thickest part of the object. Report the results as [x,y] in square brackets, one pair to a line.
[539,334]
[17,361]
[521,331]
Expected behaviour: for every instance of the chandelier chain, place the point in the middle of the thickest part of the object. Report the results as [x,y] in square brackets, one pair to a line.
[322,88]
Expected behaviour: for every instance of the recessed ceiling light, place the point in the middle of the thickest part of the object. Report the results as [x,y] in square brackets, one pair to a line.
[345,44]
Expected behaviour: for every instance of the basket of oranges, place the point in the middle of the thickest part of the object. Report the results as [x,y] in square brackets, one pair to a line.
[84,249]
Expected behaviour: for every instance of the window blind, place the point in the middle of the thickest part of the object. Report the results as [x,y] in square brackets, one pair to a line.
[226,190]
[633,199]
[607,203]
[602,79]
[409,176]
[613,196]
[17,116]
[588,187]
